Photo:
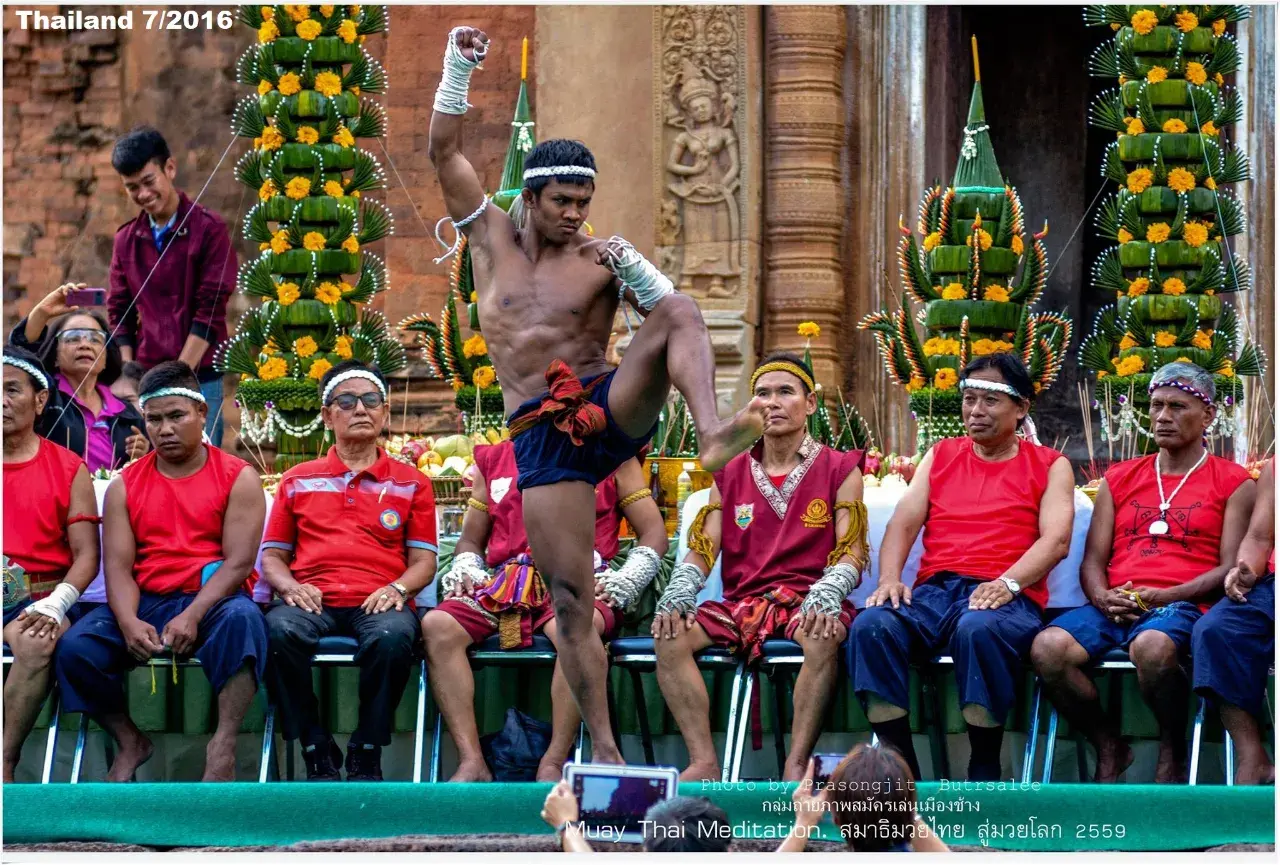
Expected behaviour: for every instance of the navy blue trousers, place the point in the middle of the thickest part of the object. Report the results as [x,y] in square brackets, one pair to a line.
[988,646]
[1232,647]
[91,658]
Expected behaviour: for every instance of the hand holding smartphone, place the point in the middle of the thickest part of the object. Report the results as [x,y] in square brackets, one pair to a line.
[86,297]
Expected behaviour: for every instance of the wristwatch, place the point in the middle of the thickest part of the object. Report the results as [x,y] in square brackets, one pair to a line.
[1011,584]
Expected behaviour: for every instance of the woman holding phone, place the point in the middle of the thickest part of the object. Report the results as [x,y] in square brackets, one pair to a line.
[82,415]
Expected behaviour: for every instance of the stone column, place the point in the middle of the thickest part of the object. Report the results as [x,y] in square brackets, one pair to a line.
[804,216]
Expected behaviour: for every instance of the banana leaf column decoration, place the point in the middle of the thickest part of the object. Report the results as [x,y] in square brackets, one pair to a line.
[1170,267]
[976,278]
[310,70]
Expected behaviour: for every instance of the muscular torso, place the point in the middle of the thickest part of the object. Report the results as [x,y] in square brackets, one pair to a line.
[560,307]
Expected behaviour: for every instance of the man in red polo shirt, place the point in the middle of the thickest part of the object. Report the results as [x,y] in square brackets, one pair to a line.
[789,520]
[351,540]
[172,271]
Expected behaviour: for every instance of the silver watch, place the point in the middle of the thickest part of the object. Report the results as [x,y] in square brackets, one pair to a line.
[1011,584]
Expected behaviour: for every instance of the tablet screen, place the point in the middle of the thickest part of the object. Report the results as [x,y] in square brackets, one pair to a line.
[619,803]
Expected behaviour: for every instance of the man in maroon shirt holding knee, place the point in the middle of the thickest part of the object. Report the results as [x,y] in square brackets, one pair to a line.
[172,271]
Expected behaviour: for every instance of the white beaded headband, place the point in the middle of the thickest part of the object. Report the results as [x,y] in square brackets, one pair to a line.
[29,369]
[1182,386]
[554,170]
[994,386]
[347,376]
[172,391]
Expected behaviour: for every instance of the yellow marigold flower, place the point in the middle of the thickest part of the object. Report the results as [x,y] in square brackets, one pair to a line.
[265,87]
[305,346]
[267,189]
[353,10]
[1174,125]
[915,384]
[289,84]
[355,193]
[1102,373]
[1016,244]
[475,347]
[313,241]
[342,347]
[334,188]
[328,293]
[262,247]
[318,368]
[271,138]
[809,329]
[1114,26]
[1218,79]
[945,378]
[287,293]
[268,31]
[937,345]
[344,137]
[1173,286]
[1210,183]
[996,293]
[991,346]
[309,30]
[1228,369]
[1209,128]
[280,242]
[984,239]
[297,13]
[1139,179]
[931,241]
[328,84]
[1219,26]
[355,88]
[954,291]
[268,12]
[1186,21]
[1124,236]
[1165,339]
[474,297]
[483,377]
[1183,359]
[1156,74]
[362,38]
[347,288]
[1203,340]
[347,31]
[1157,233]
[1127,342]
[351,245]
[1131,365]
[308,135]
[326,10]
[456,385]
[1181,180]
[298,187]
[1133,126]
[1144,21]
[1140,286]
[1123,79]
[1196,73]
[274,368]
[1194,233]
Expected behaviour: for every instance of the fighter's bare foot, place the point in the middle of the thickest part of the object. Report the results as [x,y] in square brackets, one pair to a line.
[220,760]
[472,770]
[1255,772]
[132,754]
[601,754]
[1168,769]
[701,772]
[1114,757]
[731,437]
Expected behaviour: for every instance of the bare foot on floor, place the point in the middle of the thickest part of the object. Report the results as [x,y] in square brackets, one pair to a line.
[132,754]
[731,437]
[220,760]
[701,772]
[1258,772]
[1168,769]
[472,770]
[550,769]
[600,754]
[1114,757]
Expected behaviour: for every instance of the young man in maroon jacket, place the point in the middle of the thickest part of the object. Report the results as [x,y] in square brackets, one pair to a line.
[172,271]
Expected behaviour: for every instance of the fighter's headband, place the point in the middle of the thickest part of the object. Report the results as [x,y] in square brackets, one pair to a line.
[172,391]
[782,366]
[347,376]
[994,386]
[1182,386]
[558,170]
[29,369]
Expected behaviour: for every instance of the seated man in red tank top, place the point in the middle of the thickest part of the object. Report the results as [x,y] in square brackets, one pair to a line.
[50,546]
[1165,532]
[351,540]
[181,528]
[494,587]
[997,511]
[788,521]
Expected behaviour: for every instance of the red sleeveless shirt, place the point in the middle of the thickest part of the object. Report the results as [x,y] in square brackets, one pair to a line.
[1193,542]
[984,516]
[779,536]
[37,502]
[507,537]
[177,522]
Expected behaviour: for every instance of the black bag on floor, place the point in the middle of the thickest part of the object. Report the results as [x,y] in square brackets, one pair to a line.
[514,751]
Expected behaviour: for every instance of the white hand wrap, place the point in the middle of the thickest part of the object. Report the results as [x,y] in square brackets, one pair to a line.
[451,95]
[626,583]
[828,594]
[636,272]
[55,606]
[682,591]
[467,565]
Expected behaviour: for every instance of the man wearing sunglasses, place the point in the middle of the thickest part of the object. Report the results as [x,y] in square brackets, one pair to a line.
[351,540]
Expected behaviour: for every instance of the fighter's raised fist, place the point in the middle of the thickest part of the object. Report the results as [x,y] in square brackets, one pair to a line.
[473,43]
[614,252]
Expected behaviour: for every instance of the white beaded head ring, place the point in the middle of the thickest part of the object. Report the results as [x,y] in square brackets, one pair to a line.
[38,378]
[348,375]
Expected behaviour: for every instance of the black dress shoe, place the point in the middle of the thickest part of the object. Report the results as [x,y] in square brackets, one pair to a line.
[323,762]
[364,764]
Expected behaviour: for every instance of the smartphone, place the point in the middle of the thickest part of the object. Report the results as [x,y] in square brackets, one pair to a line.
[86,297]
[824,766]
[612,800]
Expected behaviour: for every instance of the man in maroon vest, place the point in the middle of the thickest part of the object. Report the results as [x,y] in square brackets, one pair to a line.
[789,520]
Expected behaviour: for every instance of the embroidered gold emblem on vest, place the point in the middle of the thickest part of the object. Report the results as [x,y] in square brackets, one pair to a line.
[816,515]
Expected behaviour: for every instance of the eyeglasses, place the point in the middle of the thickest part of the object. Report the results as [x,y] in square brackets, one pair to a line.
[347,401]
[83,334]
